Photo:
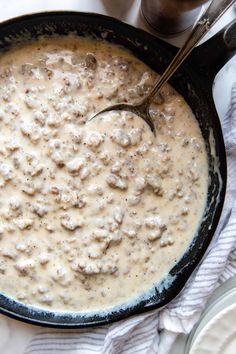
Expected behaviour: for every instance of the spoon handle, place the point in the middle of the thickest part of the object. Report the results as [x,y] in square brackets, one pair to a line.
[215,10]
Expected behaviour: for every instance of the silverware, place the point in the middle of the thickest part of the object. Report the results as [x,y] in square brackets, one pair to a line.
[211,15]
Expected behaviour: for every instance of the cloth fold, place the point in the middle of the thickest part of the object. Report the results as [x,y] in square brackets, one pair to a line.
[154,332]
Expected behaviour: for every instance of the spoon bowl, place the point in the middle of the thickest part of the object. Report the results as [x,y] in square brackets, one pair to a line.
[141,109]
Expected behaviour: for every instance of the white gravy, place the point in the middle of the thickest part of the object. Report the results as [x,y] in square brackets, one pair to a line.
[92,214]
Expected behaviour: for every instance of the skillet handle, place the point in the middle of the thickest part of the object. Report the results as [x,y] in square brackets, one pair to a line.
[209,57]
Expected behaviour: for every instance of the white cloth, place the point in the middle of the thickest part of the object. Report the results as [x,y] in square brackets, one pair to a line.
[154,332]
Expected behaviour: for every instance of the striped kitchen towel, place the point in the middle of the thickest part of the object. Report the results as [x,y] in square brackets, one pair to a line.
[154,332]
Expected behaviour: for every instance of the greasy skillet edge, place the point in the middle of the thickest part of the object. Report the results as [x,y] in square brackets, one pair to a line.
[197,93]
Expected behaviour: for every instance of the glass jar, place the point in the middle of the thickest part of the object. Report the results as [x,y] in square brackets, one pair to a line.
[169,17]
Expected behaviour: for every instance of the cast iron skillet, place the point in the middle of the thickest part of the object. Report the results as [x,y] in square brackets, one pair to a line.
[197,91]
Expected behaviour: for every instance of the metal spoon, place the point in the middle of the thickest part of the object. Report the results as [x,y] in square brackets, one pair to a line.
[212,14]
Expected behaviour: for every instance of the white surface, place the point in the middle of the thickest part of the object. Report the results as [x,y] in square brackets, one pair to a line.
[219,335]
[15,335]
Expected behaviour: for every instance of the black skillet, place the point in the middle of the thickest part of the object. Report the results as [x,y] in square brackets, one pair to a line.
[194,81]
